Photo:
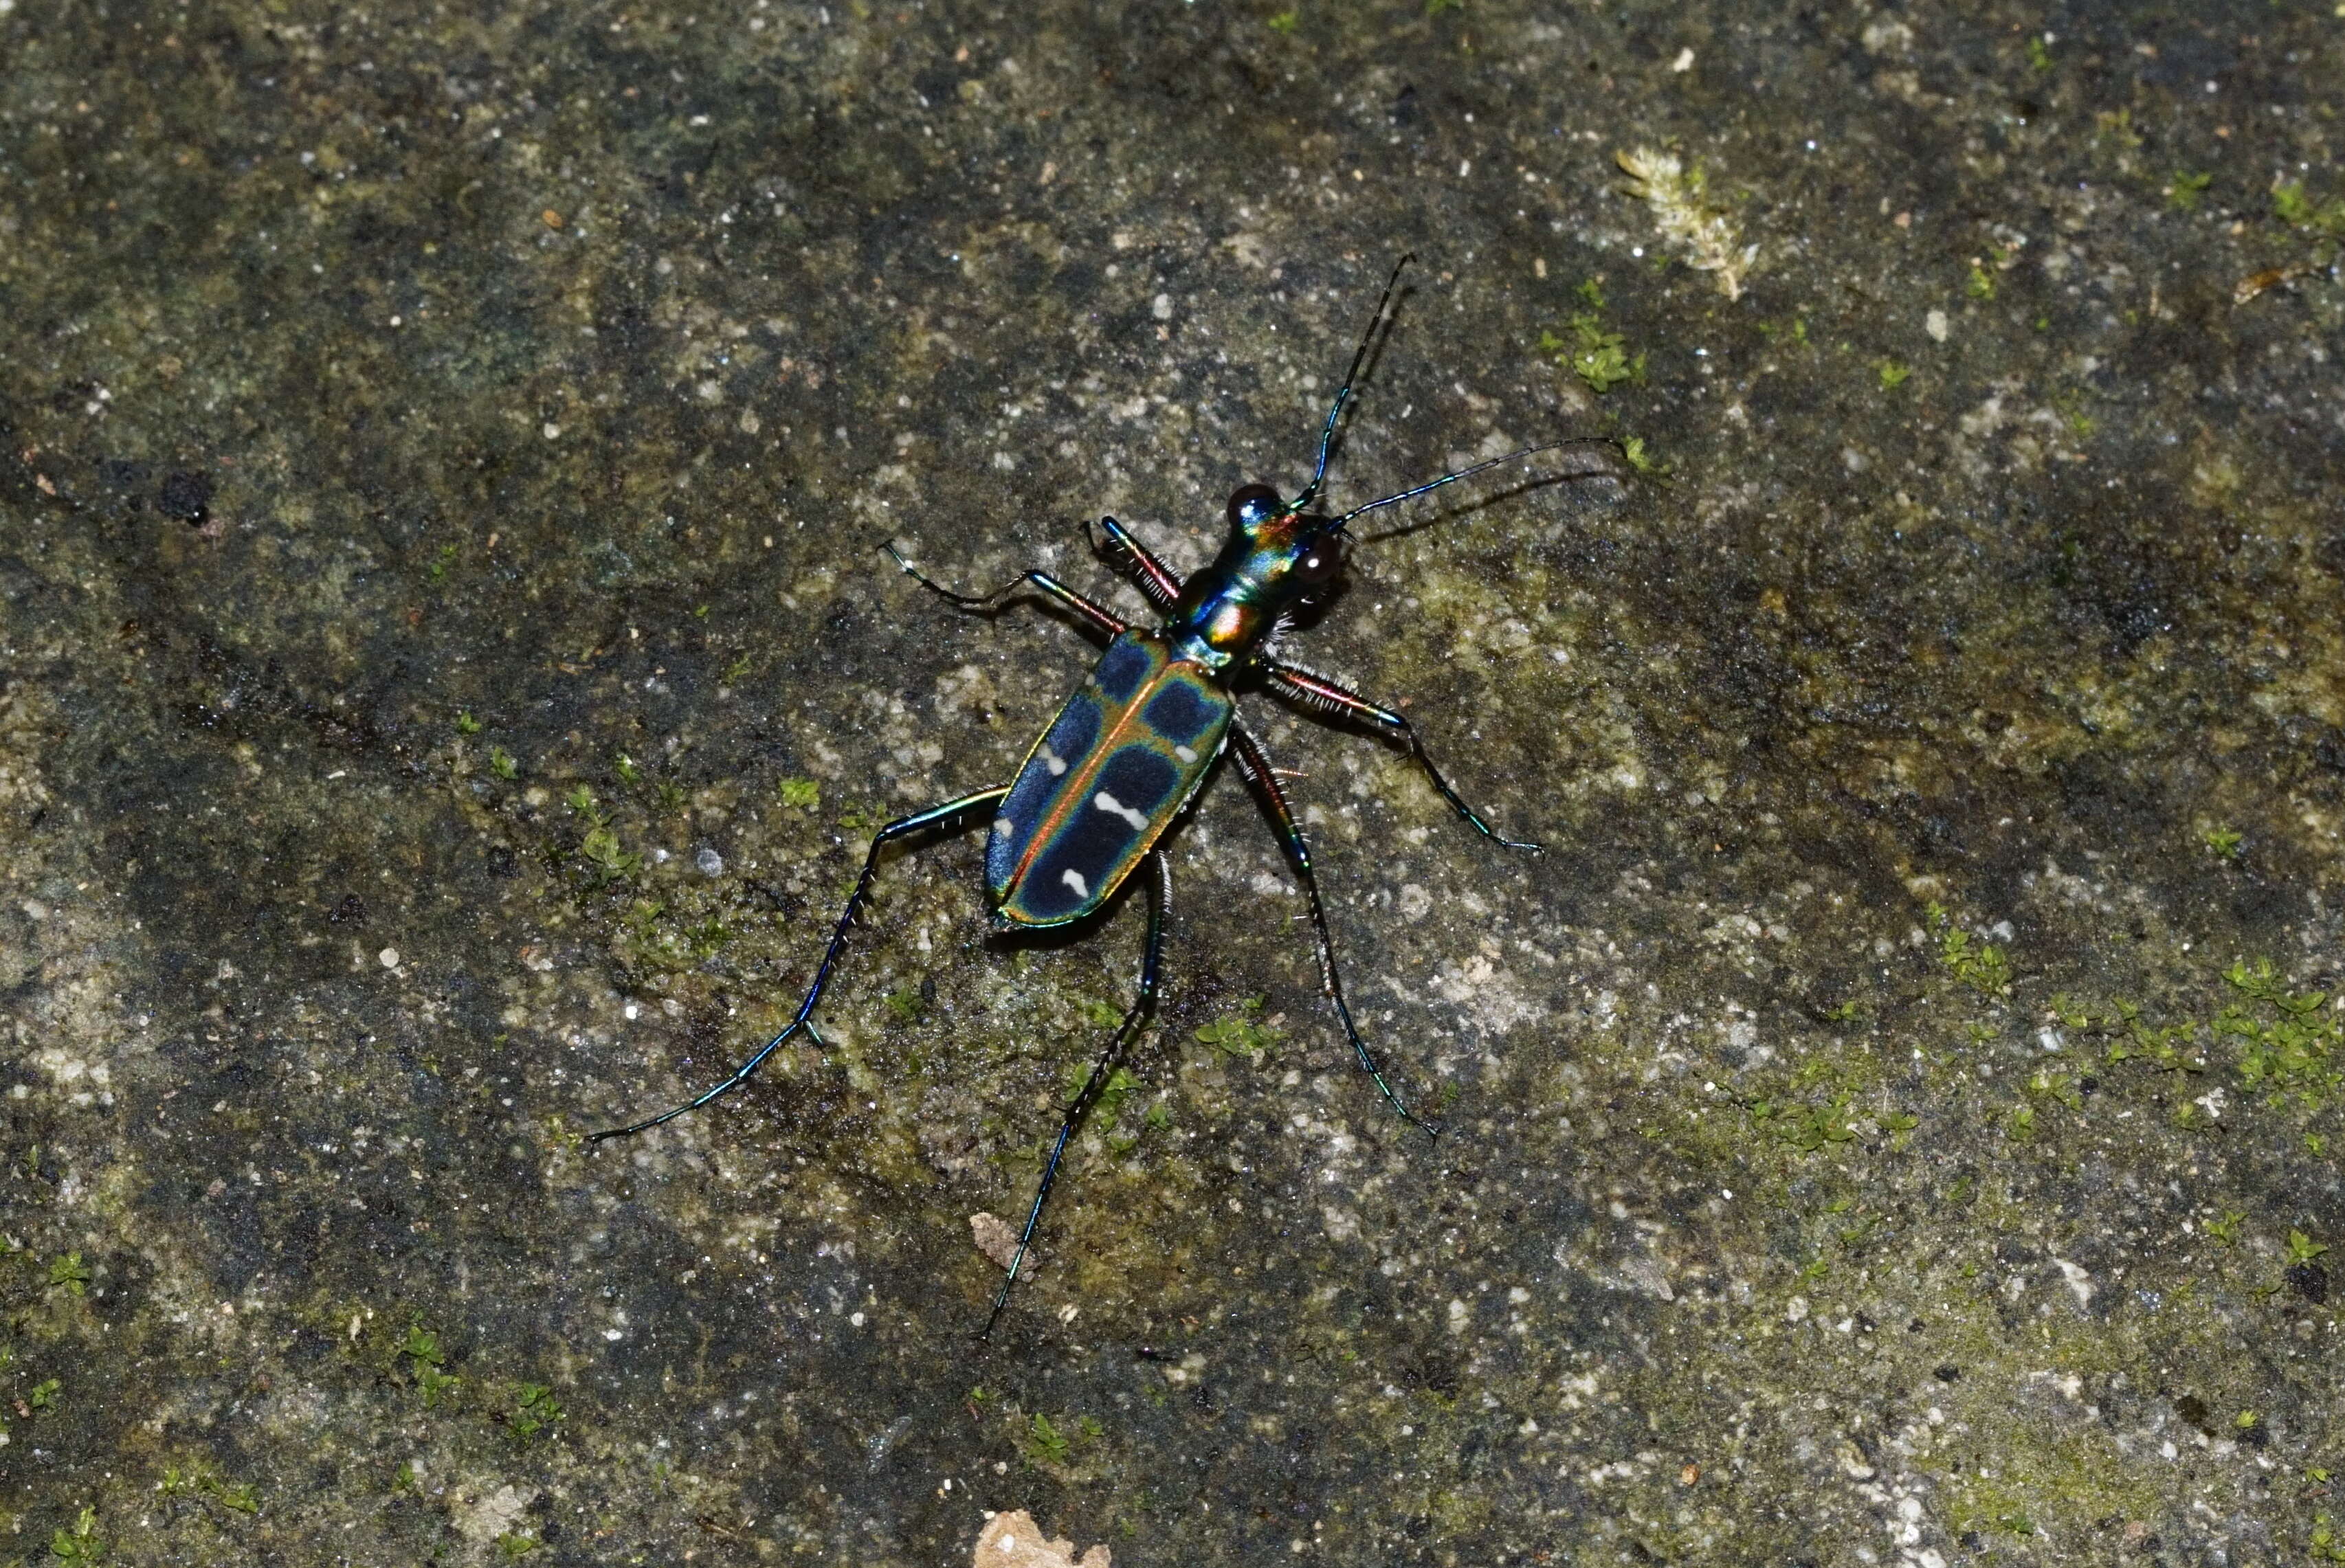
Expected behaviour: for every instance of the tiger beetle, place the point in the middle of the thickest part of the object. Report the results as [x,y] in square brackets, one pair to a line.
[1132,747]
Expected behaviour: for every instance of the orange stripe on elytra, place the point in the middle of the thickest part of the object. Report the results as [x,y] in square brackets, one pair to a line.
[1077,791]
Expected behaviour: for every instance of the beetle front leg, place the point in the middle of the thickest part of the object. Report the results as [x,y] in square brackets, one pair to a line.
[1255,766]
[1137,563]
[936,816]
[1099,617]
[1316,691]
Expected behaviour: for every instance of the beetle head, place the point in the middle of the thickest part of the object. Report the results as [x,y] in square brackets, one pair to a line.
[1298,551]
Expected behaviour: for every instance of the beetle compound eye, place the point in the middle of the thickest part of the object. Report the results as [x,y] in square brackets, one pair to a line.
[1254,505]
[1318,564]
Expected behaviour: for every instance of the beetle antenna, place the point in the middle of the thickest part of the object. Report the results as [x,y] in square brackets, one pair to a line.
[1344,393]
[1478,468]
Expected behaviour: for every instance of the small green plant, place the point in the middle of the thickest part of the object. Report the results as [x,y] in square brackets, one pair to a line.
[601,848]
[1893,374]
[799,794]
[2039,53]
[1120,1086]
[2224,841]
[624,767]
[672,796]
[81,1543]
[1981,284]
[1042,1442]
[1598,357]
[69,1273]
[442,562]
[581,799]
[240,1497]
[1633,449]
[2184,190]
[1979,965]
[2303,1249]
[466,724]
[1238,1035]
[904,1003]
[1285,21]
[515,1543]
[2225,1227]
[1436,7]
[502,762]
[2114,129]
[1805,1127]
[44,1394]
[2070,404]
[2292,206]
[426,1361]
[2061,1087]
[534,1410]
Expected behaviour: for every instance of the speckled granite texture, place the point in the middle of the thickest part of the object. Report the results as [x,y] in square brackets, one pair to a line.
[447,678]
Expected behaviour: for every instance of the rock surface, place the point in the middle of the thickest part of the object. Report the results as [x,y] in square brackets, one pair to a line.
[448,678]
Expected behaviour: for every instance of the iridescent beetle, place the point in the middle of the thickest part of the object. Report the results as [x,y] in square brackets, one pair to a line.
[1132,747]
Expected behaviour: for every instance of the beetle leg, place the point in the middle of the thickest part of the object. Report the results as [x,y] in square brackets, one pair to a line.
[1137,563]
[936,816]
[1098,615]
[1256,770]
[1317,691]
[1159,905]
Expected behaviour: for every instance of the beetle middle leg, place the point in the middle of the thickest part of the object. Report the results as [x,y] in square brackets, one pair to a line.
[951,811]
[1255,768]
[1316,691]
[1135,1018]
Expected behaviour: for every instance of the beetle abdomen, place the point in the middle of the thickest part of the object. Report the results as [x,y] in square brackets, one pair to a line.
[1104,782]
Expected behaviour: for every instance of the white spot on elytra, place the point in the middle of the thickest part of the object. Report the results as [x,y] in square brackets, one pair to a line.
[1184,753]
[1003,827]
[1074,879]
[1051,760]
[1114,807]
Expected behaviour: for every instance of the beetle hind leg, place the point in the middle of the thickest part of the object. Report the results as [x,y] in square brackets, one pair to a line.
[1254,765]
[1135,1018]
[802,1022]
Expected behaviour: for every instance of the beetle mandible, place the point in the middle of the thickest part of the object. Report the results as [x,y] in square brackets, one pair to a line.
[1132,745]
